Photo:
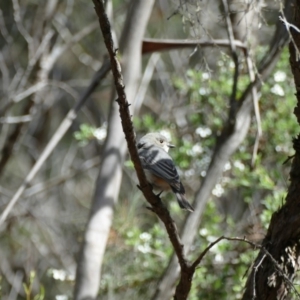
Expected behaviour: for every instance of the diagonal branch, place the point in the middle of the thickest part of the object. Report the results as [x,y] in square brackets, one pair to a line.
[156,204]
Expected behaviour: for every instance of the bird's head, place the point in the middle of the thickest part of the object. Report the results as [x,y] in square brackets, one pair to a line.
[156,139]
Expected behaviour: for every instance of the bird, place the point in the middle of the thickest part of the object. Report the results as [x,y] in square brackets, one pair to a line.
[159,167]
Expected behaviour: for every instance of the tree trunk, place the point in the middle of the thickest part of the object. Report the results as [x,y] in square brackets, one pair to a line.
[277,263]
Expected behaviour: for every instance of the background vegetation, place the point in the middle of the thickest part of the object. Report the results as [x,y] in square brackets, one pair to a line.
[187,99]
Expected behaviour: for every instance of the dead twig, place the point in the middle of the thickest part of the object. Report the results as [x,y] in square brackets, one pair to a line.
[255,99]
[60,132]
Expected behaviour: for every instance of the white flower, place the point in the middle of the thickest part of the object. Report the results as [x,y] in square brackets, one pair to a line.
[227,166]
[203,173]
[203,91]
[279,76]
[189,173]
[144,248]
[205,75]
[100,133]
[219,258]
[203,131]
[145,236]
[196,149]
[59,274]
[61,297]
[203,231]
[277,90]
[218,190]
[239,165]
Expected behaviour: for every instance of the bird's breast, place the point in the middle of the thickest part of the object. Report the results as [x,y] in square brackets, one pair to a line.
[157,182]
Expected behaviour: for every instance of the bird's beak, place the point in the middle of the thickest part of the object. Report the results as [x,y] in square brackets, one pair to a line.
[171,146]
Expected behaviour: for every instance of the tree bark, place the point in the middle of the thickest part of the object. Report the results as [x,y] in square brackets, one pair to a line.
[272,279]
[110,174]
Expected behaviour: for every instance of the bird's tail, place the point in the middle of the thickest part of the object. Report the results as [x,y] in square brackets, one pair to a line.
[183,203]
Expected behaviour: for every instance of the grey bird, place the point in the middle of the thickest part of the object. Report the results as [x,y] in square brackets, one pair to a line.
[159,167]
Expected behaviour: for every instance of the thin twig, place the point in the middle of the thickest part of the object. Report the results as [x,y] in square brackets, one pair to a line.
[254,274]
[233,102]
[140,95]
[7,149]
[21,28]
[42,84]
[5,72]
[255,99]
[41,187]
[56,52]
[257,246]
[16,119]
[200,257]
[60,132]
[77,49]
[40,51]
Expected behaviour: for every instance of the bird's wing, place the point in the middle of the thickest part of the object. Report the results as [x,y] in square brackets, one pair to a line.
[158,162]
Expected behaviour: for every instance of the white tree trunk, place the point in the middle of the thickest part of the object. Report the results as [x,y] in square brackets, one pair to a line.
[110,175]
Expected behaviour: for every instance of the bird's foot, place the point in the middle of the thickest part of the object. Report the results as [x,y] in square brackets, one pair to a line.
[150,208]
[158,195]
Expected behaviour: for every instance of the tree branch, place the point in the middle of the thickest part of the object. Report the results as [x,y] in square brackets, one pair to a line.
[156,45]
[156,204]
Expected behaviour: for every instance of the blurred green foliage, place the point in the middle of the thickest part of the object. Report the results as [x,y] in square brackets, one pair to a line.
[85,134]
[44,232]
[29,287]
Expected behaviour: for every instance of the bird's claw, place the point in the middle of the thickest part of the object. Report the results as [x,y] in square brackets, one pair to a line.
[158,195]
[150,208]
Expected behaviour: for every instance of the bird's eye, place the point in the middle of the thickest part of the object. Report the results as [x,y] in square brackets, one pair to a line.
[140,145]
